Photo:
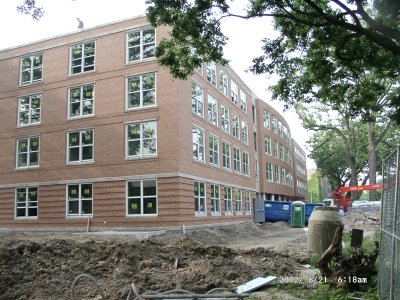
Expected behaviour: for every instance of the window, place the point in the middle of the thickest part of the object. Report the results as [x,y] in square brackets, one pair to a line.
[80,146]
[285,133]
[280,151]
[234,92]
[197,100]
[225,119]
[29,110]
[141,44]
[228,200]
[245,132]
[280,129]
[212,73]
[141,197]
[199,70]
[212,110]
[26,202]
[198,144]
[235,126]
[274,124]
[275,148]
[268,167]
[31,69]
[141,91]
[80,101]
[214,150]
[82,57]
[289,180]
[257,171]
[267,145]
[80,200]
[236,160]
[215,200]
[199,198]
[266,119]
[223,82]
[247,202]
[255,139]
[226,156]
[141,139]
[28,152]
[238,202]
[243,101]
[283,176]
[246,164]
[277,173]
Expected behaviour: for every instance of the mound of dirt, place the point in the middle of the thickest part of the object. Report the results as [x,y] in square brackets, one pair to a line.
[368,221]
[43,266]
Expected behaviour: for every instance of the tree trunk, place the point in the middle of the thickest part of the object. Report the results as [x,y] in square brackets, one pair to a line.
[371,159]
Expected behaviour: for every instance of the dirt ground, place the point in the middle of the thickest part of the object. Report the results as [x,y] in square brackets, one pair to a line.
[44,265]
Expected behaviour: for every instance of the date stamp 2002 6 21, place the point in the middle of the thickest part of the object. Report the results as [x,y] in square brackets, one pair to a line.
[302,280]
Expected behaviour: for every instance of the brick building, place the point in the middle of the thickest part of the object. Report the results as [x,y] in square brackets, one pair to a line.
[93,132]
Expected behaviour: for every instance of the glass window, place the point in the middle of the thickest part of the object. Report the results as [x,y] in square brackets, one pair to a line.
[82,57]
[80,200]
[212,110]
[198,144]
[141,91]
[235,126]
[199,70]
[228,200]
[26,202]
[236,160]
[199,198]
[80,146]
[141,44]
[29,110]
[283,176]
[197,100]
[257,171]
[223,82]
[245,132]
[141,197]
[277,173]
[267,145]
[212,73]
[214,150]
[238,202]
[246,164]
[247,202]
[268,167]
[275,148]
[141,139]
[225,119]
[226,156]
[243,101]
[280,151]
[234,92]
[28,152]
[80,101]
[280,129]
[31,69]
[266,119]
[215,200]
[274,124]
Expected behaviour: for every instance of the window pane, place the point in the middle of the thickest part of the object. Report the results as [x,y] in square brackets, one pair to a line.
[134,39]
[37,74]
[87,153]
[148,97]
[87,207]
[73,207]
[75,109]
[134,207]
[22,160]
[87,108]
[86,191]
[74,139]
[76,51]
[22,145]
[149,188]
[21,195]
[32,212]
[134,148]
[134,189]
[73,191]
[134,84]
[87,137]
[26,76]
[148,50]
[23,118]
[148,36]
[74,154]
[149,147]
[134,53]
[149,129]
[134,100]
[150,205]
[134,131]
[148,82]
[34,159]
[34,144]
[21,212]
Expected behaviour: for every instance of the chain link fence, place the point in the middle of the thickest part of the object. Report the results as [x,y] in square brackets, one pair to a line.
[389,266]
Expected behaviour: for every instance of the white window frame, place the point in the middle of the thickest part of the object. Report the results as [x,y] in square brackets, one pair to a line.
[27,204]
[200,199]
[28,152]
[247,202]
[141,197]
[79,199]
[215,200]
[223,82]
[225,119]
[212,110]
[143,139]
[213,143]
[269,169]
[277,174]
[267,145]
[235,125]
[80,146]
[246,164]
[31,68]
[239,202]
[236,160]
[228,200]
[226,157]
[243,101]
[281,154]
[283,176]
[274,124]
[141,45]
[257,170]
[198,144]
[30,110]
[212,73]
[82,58]
[234,92]
[275,147]
[245,132]
[197,100]
[142,91]
[266,121]
[81,101]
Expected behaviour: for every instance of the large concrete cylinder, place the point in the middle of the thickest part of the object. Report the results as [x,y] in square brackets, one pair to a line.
[321,228]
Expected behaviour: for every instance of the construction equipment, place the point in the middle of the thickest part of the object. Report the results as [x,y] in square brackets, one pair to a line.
[341,200]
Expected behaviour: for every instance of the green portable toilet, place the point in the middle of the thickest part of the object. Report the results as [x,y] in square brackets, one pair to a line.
[297,214]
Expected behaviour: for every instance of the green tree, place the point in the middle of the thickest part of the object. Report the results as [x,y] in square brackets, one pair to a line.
[313,188]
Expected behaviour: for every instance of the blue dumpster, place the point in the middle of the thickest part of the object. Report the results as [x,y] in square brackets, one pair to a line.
[277,211]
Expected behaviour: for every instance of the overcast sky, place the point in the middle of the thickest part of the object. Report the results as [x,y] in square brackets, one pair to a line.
[60,18]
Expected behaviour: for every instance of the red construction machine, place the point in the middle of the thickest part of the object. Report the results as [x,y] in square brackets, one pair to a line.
[341,200]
